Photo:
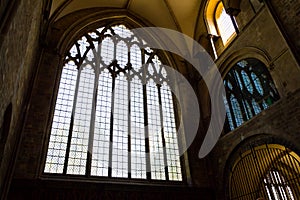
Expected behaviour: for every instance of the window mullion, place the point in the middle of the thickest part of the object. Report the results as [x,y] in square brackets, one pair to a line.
[253,96]
[162,132]
[92,125]
[72,123]
[242,98]
[91,139]
[147,146]
[129,118]
[114,76]
[231,111]
[111,125]
[255,90]
[234,24]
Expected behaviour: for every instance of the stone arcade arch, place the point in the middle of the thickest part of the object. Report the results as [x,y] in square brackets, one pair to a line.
[263,166]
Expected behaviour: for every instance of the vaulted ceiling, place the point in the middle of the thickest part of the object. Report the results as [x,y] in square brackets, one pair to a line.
[180,15]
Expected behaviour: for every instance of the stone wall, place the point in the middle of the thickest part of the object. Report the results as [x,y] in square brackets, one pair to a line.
[281,121]
[287,14]
[18,49]
[37,126]
[261,39]
[64,190]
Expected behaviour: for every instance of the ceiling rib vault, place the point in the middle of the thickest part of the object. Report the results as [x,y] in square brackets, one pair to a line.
[173,14]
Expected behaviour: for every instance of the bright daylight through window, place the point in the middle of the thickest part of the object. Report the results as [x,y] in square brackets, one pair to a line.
[113,117]
[224,24]
[277,187]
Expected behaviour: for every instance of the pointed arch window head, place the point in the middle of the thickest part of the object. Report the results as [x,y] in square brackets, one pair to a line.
[249,90]
[113,117]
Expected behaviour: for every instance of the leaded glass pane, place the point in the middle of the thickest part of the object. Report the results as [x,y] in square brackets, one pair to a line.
[249,90]
[114,117]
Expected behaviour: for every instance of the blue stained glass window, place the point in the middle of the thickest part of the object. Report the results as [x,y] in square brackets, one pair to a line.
[249,90]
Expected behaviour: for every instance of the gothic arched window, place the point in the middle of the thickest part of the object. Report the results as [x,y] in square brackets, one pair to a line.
[219,25]
[224,23]
[249,90]
[113,117]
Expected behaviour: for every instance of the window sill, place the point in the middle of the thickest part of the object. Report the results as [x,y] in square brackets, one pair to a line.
[68,189]
[110,181]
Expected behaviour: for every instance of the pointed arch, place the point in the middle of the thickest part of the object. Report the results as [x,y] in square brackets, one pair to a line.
[113,117]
